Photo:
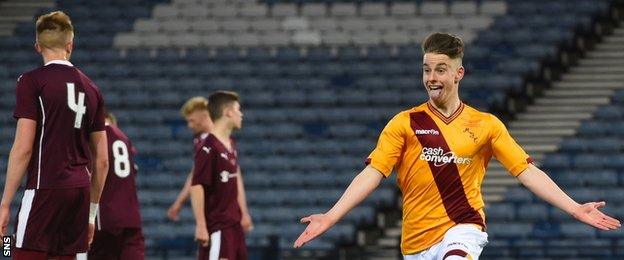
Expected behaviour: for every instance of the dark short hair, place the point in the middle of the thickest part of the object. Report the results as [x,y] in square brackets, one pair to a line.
[444,43]
[217,102]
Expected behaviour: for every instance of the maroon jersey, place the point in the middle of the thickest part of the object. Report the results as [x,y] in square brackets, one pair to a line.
[119,205]
[67,106]
[216,169]
[198,141]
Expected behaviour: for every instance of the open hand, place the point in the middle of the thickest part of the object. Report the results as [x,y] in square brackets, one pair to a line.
[318,224]
[589,214]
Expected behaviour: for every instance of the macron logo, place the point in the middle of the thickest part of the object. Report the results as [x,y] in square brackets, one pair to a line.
[426,132]
[206,149]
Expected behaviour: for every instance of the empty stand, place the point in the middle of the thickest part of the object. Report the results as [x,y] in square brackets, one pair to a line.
[318,82]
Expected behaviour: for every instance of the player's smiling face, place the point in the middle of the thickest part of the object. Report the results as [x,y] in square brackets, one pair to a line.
[441,76]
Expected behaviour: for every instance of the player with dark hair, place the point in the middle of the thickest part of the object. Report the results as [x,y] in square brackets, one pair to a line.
[440,151]
[60,144]
[118,224]
[217,183]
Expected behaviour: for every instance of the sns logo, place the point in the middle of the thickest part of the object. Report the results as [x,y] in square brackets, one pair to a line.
[440,158]
[426,132]
[226,176]
[6,246]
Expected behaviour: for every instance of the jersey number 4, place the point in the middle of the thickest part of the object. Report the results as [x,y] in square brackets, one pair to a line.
[122,161]
[78,106]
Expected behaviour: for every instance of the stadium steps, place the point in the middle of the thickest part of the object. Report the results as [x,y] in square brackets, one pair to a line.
[559,112]
[13,12]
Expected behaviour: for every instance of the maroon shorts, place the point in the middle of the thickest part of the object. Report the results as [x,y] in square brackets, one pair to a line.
[122,243]
[53,221]
[20,254]
[227,243]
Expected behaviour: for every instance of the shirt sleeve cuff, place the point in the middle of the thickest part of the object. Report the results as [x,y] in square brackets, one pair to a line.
[25,115]
[381,168]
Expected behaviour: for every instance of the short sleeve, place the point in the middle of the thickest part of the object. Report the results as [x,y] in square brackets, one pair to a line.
[27,102]
[389,146]
[506,150]
[204,161]
[98,119]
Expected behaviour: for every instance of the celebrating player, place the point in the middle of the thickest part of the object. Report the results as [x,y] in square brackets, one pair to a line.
[59,138]
[440,151]
[118,234]
[216,184]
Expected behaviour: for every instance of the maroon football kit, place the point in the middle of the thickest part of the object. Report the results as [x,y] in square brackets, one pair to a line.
[118,223]
[67,107]
[198,141]
[216,169]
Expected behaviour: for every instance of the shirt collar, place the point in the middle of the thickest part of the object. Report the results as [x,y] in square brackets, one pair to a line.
[62,62]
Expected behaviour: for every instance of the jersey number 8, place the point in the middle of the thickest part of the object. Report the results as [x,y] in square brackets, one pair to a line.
[122,162]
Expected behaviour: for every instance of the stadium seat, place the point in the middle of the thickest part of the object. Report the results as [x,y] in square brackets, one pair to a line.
[532,212]
[313,10]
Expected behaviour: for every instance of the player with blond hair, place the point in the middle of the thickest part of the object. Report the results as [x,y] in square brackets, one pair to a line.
[440,151]
[195,112]
[61,146]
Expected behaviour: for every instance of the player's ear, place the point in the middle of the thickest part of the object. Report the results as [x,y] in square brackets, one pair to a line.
[228,110]
[69,47]
[37,47]
[460,74]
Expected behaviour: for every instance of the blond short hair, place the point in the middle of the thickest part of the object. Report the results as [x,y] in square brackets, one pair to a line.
[111,118]
[54,30]
[194,104]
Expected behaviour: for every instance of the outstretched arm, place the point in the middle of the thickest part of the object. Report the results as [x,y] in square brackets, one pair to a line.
[361,186]
[539,183]
[16,168]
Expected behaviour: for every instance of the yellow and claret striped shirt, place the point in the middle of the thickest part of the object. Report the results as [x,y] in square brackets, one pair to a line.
[441,162]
